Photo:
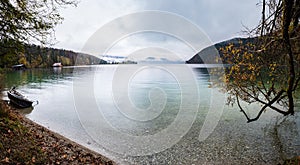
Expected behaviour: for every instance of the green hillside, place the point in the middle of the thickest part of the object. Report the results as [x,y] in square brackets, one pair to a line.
[34,56]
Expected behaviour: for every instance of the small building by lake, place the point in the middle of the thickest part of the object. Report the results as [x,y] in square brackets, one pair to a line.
[18,67]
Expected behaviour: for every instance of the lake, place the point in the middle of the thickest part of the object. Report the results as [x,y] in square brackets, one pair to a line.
[149,114]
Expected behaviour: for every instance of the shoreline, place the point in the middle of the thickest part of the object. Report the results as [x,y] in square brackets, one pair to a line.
[67,142]
[66,151]
[56,148]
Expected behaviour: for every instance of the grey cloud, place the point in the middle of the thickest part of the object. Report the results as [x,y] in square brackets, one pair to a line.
[220,20]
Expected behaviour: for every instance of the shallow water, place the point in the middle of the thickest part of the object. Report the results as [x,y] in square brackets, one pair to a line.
[154,114]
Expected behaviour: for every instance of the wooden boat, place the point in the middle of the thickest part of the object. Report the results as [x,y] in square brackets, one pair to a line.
[18,99]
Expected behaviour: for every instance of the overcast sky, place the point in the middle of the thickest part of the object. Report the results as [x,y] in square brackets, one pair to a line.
[218,19]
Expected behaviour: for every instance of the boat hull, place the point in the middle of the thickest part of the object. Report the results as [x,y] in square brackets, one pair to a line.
[19,102]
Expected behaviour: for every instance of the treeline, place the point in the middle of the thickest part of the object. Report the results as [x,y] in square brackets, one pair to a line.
[34,56]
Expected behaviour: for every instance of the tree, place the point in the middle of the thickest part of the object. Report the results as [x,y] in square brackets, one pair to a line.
[24,21]
[267,71]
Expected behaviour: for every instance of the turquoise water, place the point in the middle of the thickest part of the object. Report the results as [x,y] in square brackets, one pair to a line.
[154,114]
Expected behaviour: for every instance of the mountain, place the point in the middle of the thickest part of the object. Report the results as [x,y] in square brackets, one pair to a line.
[39,56]
[208,54]
[34,56]
[111,59]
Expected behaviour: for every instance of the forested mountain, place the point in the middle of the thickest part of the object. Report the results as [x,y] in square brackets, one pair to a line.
[209,53]
[34,56]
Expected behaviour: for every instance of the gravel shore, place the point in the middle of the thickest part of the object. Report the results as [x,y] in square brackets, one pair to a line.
[25,142]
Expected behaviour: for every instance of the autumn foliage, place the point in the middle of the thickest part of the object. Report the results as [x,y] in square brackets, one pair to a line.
[267,71]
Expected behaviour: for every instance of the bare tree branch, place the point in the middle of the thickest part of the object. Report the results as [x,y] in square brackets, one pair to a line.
[262,109]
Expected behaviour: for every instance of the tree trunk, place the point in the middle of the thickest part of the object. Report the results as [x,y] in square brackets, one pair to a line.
[287,18]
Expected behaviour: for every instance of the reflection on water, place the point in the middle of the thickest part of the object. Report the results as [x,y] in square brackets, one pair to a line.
[233,140]
[25,111]
[36,77]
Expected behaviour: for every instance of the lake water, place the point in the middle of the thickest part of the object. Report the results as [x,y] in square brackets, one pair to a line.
[148,114]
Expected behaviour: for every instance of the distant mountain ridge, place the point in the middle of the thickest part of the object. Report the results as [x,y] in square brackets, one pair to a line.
[207,54]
